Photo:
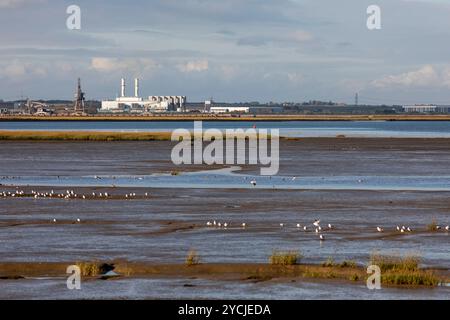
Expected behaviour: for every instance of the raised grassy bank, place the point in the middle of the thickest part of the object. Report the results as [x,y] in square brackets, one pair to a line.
[405,273]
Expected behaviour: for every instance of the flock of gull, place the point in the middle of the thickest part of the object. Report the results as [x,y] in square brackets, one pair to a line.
[68,194]
[319,230]
[314,227]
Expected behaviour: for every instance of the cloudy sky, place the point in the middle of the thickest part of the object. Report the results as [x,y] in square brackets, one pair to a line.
[234,50]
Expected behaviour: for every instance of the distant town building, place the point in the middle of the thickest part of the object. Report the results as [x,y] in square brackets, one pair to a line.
[422,108]
[229,109]
[136,104]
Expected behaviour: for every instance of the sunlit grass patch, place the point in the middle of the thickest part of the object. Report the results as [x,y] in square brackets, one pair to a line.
[285,258]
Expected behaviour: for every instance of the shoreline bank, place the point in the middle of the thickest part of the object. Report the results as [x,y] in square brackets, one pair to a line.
[38,135]
[229,117]
[254,272]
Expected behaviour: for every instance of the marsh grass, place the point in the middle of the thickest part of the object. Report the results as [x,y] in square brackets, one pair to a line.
[415,278]
[330,263]
[432,227]
[84,136]
[192,258]
[403,271]
[285,258]
[89,269]
[395,263]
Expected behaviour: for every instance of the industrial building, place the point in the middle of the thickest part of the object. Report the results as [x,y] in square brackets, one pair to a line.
[421,108]
[136,104]
[229,109]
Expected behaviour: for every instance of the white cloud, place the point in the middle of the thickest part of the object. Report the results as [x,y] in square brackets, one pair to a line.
[423,77]
[16,3]
[18,70]
[301,36]
[295,77]
[110,65]
[194,66]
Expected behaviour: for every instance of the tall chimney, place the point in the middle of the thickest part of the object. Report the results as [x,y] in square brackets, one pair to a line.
[136,87]
[122,88]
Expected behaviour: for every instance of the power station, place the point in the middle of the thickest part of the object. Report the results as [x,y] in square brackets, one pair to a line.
[136,104]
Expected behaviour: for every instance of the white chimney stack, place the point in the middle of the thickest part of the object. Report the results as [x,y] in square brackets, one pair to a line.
[122,88]
[136,87]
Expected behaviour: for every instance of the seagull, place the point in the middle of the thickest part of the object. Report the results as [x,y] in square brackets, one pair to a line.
[305,228]
[330,226]
[409,229]
[78,220]
[208,224]
[322,238]
[54,220]
[447,228]
[225,225]
[298,225]
[282,225]
[402,231]
[244,225]
[379,229]
[253,182]
[398,228]
[316,223]
[317,230]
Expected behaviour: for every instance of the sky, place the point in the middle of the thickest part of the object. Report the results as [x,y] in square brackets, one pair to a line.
[232,51]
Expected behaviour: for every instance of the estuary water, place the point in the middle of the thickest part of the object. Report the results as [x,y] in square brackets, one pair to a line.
[386,129]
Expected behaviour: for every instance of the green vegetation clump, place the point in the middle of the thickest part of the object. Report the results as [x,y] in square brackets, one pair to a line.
[354,277]
[192,258]
[416,278]
[84,136]
[403,271]
[329,263]
[285,258]
[395,263]
[348,264]
[433,226]
[89,269]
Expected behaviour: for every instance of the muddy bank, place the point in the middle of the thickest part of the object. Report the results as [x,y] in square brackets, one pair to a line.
[230,272]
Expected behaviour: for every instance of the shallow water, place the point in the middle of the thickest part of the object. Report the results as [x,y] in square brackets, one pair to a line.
[172,220]
[221,179]
[207,289]
[409,129]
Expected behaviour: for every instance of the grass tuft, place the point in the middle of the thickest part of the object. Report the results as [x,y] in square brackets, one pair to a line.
[89,269]
[192,258]
[415,278]
[395,263]
[285,258]
[432,227]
